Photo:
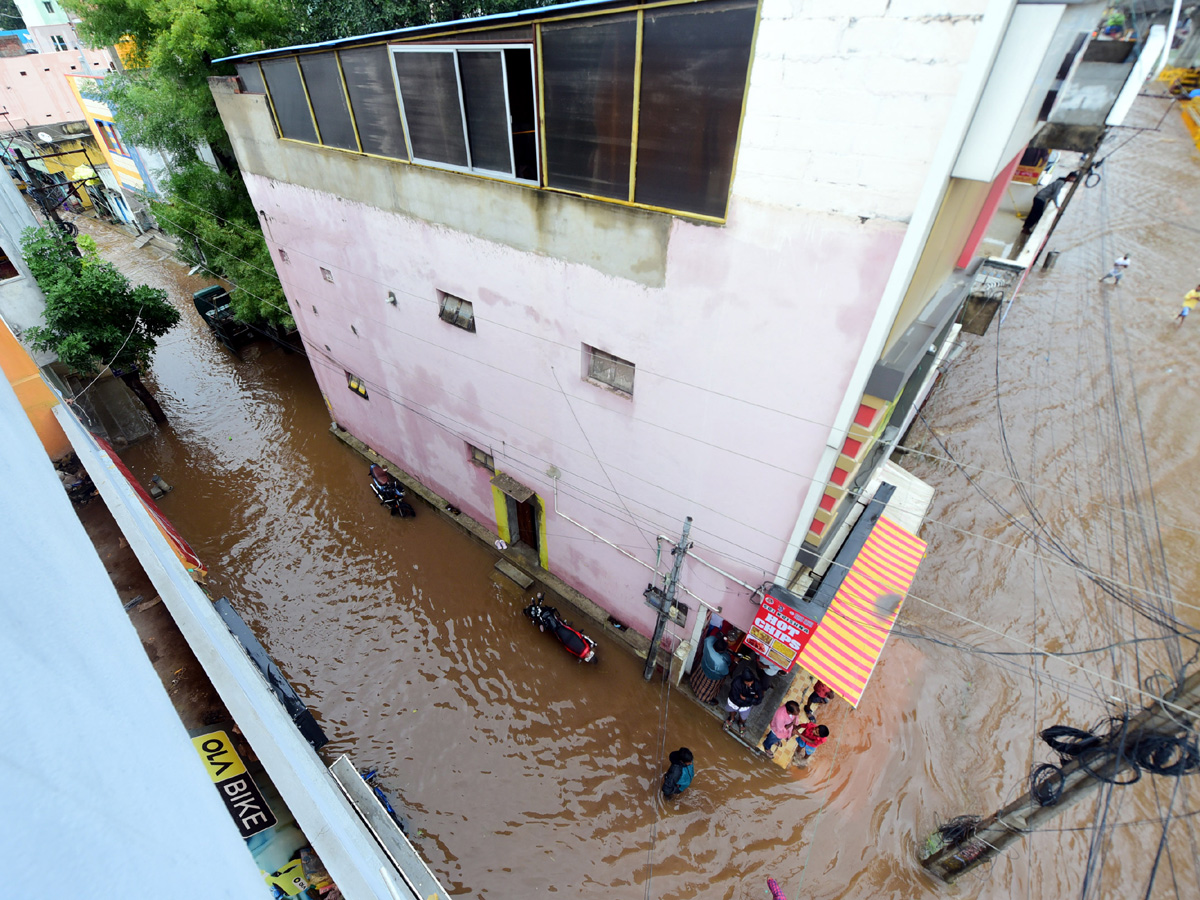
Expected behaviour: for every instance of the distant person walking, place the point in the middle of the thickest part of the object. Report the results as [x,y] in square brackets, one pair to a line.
[1190,299]
[680,774]
[821,693]
[783,726]
[712,669]
[811,737]
[1119,267]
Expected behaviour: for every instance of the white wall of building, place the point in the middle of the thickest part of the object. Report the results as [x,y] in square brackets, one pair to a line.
[101,786]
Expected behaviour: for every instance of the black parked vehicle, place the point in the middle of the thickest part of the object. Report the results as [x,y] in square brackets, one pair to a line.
[390,492]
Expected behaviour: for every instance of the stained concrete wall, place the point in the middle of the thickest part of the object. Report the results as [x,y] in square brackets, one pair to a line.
[744,335]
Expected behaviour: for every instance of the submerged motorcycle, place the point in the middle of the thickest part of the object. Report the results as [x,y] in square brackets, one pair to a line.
[546,618]
[390,492]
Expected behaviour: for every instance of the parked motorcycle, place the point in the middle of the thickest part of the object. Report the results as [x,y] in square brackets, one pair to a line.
[546,618]
[390,492]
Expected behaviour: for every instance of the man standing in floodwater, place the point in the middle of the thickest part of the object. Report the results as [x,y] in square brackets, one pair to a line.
[680,774]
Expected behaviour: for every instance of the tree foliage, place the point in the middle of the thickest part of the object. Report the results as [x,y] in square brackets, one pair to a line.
[223,236]
[94,316]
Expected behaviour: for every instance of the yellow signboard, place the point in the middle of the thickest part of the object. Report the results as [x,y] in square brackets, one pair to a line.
[220,759]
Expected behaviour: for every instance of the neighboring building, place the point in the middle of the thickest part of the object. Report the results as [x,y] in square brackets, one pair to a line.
[587,270]
[41,118]
[16,43]
[52,29]
[132,172]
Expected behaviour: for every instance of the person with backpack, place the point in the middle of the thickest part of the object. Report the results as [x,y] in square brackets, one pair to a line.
[680,774]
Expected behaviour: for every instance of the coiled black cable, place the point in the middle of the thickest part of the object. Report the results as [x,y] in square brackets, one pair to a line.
[1113,753]
[1046,784]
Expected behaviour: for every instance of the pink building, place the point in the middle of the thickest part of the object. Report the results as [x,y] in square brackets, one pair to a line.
[587,270]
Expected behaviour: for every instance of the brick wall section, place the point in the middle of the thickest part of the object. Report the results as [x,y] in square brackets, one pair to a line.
[848,101]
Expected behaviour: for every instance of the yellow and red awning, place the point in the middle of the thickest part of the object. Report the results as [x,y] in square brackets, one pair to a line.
[848,642]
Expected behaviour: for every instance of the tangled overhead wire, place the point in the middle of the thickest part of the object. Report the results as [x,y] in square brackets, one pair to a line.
[959,829]
[1114,753]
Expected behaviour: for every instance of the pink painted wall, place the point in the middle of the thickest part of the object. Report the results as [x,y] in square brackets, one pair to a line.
[34,89]
[742,358]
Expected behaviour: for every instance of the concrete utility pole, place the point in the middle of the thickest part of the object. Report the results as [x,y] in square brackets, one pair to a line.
[679,552]
[1084,170]
[1024,815]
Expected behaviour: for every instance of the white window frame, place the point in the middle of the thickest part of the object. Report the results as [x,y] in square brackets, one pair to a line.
[59,42]
[455,49]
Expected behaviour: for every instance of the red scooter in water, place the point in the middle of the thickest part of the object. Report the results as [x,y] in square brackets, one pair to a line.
[546,618]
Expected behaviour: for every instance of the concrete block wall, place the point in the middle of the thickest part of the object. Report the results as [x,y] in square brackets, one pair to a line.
[848,100]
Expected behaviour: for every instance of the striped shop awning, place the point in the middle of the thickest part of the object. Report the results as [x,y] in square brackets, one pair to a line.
[849,641]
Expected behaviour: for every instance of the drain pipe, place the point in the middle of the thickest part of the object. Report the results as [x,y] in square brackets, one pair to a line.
[622,550]
[698,624]
[705,562]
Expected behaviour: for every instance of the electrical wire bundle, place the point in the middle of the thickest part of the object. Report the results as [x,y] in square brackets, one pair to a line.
[1114,753]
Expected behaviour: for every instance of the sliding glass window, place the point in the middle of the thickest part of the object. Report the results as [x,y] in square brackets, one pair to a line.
[469,108]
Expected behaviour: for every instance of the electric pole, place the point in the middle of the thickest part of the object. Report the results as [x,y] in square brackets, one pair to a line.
[1003,828]
[668,599]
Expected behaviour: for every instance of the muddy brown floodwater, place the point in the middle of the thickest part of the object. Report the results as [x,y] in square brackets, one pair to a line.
[531,775]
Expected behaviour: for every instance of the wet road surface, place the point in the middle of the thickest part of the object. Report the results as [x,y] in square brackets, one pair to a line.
[529,774]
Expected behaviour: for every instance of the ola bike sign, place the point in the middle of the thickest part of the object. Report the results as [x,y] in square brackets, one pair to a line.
[242,797]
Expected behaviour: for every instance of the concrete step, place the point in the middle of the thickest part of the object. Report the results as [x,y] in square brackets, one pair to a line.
[508,569]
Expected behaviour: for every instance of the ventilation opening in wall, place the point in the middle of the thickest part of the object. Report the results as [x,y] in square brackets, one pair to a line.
[355,384]
[456,311]
[482,458]
[326,274]
[604,369]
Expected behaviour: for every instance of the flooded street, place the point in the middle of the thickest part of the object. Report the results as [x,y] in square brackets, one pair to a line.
[530,775]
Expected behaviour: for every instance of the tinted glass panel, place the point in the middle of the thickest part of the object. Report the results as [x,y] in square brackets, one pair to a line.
[588,71]
[522,112]
[429,91]
[487,118]
[328,100]
[287,95]
[694,67]
[373,96]
[251,78]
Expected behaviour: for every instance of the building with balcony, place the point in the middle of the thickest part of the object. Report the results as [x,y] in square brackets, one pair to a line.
[589,269]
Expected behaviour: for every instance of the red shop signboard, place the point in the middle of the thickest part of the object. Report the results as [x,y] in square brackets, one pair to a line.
[779,632]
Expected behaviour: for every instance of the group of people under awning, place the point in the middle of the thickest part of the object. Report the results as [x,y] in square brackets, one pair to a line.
[749,684]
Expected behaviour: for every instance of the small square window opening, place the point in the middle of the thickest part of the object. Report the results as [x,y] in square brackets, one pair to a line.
[482,458]
[283,255]
[60,43]
[49,6]
[7,269]
[609,371]
[355,384]
[326,274]
[457,311]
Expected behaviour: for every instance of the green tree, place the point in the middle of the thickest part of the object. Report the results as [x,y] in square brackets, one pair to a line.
[94,316]
[10,16]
